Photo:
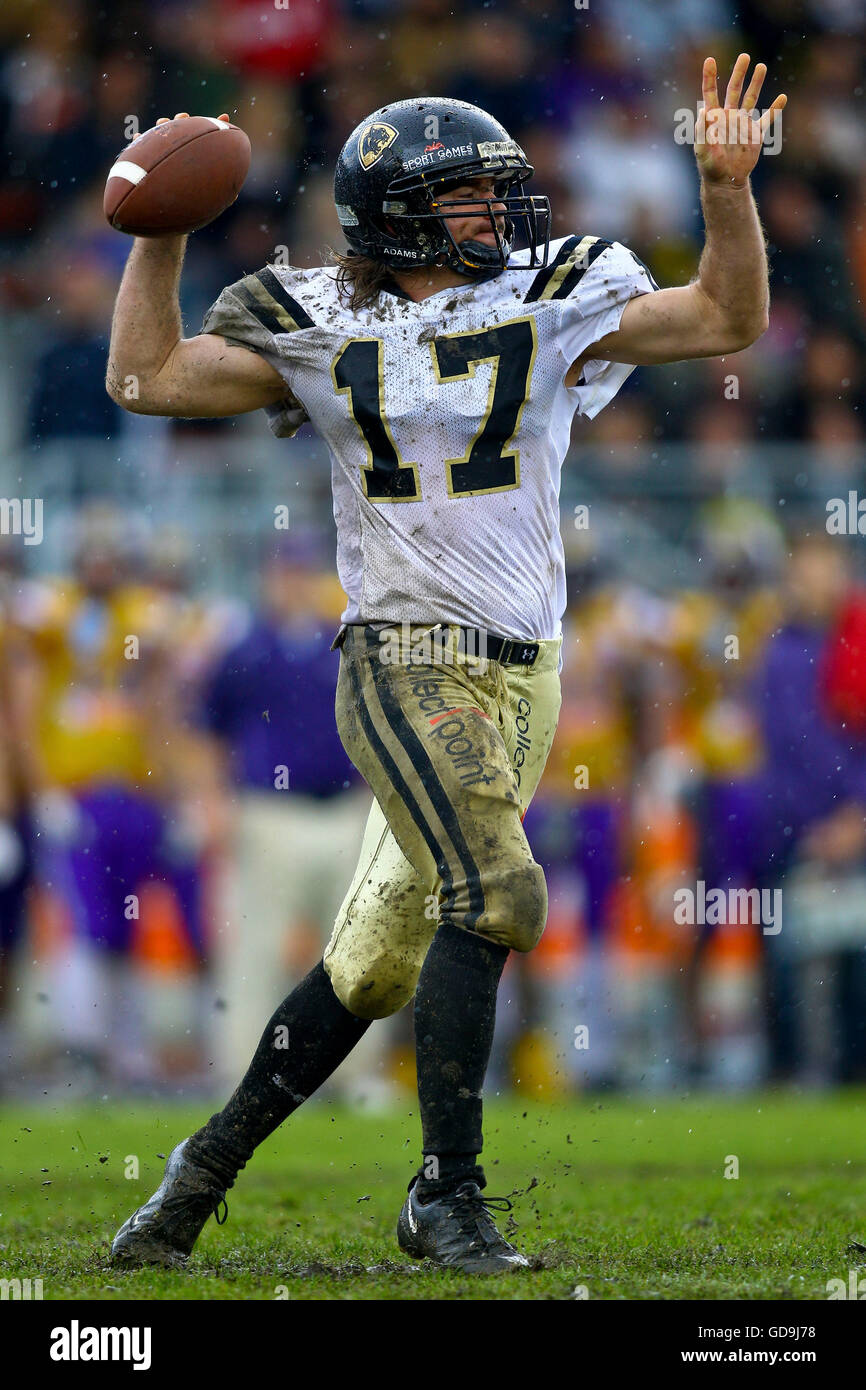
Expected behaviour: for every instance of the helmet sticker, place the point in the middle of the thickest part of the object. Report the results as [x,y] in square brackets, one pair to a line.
[490,149]
[374,141]
[346,215]
[434,154]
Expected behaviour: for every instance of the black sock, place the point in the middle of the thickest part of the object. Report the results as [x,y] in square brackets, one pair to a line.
[455,1011]
[440,1173]
[306,1040]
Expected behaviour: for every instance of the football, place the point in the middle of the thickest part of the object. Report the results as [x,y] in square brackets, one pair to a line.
[176,177]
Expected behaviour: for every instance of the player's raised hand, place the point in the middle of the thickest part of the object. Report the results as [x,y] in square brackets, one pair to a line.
[728,139]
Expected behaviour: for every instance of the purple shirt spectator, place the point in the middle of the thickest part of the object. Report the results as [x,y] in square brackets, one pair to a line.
[271,699]
[813,766]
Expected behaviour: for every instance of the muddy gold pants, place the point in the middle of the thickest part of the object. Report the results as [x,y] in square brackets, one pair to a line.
[453,747]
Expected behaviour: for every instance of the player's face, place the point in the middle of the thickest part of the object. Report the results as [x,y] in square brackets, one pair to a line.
[474,225]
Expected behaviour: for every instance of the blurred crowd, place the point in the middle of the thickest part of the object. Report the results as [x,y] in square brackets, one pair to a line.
[160,887]
[594,94]
[179,822]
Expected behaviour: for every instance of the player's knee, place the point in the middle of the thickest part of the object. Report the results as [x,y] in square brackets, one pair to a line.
[377,991]
[516,908]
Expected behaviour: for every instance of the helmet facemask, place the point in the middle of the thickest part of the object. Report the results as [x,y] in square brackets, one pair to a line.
[414,204]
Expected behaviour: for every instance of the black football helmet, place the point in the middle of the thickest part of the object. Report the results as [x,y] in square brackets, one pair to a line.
[395,164]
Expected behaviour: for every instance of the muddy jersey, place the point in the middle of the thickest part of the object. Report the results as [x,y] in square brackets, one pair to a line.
[447,422]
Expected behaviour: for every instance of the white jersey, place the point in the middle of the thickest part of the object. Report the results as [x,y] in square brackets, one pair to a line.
[447,422]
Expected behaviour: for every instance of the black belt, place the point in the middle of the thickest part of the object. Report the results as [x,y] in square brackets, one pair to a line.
[508,651]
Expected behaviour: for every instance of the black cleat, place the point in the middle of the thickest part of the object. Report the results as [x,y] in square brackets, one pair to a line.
[457,1231]
[165,1229]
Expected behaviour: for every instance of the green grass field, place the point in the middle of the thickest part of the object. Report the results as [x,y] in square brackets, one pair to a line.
[627,1198]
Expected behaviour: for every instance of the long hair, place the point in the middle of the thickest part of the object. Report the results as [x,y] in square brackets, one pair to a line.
[359,278]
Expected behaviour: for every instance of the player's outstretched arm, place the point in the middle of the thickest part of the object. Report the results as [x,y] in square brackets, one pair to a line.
[152,368]
[726,308]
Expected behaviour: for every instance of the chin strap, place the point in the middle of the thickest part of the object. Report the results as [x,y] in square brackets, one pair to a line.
[480,273]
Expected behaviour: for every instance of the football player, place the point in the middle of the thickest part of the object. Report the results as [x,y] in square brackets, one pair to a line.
[443,366]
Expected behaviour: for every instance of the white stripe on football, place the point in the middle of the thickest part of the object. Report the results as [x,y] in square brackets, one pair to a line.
[125,169]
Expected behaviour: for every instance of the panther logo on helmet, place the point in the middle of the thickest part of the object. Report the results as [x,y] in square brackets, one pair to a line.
[374,142]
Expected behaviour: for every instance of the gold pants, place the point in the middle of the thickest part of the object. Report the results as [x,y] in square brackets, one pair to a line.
[453,749]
